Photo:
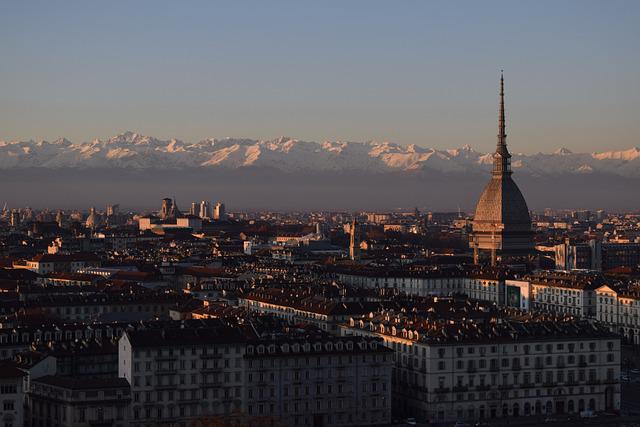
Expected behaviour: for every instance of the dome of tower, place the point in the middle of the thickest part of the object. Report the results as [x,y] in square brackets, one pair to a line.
[501,203]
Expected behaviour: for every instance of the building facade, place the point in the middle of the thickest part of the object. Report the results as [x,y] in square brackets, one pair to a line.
[468,371]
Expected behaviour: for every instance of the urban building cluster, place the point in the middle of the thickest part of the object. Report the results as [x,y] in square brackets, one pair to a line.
[169,318]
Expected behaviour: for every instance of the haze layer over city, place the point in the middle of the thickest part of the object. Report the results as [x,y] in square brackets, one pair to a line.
[448,234]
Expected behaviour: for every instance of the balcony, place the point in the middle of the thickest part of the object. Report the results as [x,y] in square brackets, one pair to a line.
[505,387]
[441,390]
[483,387]
[593,382]
[548,384]
[494,368]
[527,385]
[516,367]
[471,369]
[460,388]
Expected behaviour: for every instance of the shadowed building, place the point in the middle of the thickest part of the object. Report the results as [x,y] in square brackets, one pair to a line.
[354,242]
[501,223]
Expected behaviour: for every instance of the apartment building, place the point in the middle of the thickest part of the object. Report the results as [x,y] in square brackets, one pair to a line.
[13,386]
[619,309]
[478,283]
[182,375]
[72,402]
[565,292]
[509,365]
[319,381]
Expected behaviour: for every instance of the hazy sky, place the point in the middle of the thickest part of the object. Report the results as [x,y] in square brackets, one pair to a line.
[412,72]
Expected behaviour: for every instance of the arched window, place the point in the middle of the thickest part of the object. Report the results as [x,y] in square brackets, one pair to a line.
[516,410]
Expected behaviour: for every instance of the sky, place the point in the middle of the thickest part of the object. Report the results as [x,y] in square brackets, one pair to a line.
[411,72]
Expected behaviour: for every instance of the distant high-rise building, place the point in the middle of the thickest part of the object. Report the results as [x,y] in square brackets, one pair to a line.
[570,255]
[60,218]
[194,209]
[501,223]
[15,218]
[354,241]
[113,209]
[219,212]
[169,210]
[167,206]
[27,215]
[93,220]
[204,209]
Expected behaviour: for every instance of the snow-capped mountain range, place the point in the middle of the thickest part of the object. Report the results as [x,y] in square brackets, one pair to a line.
[134,151]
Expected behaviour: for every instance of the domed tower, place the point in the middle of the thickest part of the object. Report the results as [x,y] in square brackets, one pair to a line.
[501,223]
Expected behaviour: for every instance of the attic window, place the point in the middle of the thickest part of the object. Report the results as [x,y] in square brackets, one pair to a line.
[250,349]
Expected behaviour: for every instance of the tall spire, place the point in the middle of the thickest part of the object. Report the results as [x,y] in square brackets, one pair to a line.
[502,135]
[502,162]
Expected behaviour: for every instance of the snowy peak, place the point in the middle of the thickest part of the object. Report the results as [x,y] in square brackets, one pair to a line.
[627,155]
[562,151]
[137,151]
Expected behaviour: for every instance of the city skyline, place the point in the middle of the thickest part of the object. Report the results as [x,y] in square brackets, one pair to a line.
[329,214]
[412,74]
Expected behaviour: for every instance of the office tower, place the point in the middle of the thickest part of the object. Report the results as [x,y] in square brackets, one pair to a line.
[204,209]
[219,212]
